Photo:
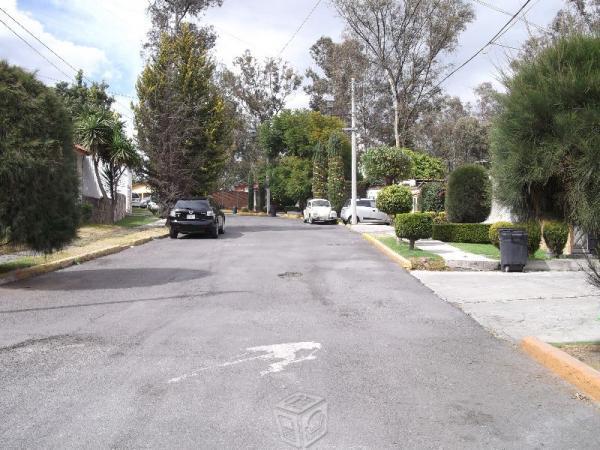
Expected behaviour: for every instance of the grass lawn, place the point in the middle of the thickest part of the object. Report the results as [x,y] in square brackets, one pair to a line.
[138,217]
[19,264]
[490,251]
[420,259]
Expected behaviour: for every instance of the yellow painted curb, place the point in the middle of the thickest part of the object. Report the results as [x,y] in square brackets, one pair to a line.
[564,365]
[388,251]
[40,269]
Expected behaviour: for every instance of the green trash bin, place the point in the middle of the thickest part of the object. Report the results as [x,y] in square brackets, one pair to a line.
[513,249]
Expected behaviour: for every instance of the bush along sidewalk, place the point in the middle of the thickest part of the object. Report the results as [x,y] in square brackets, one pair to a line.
[475,233]
[533,229]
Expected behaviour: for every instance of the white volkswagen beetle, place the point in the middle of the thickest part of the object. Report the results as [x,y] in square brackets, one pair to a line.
[319,210]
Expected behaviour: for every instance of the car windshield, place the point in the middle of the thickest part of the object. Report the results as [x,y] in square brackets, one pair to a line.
[192,204]
[367,203]
[321,203]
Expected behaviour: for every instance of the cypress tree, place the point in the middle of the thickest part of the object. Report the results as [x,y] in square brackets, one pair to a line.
[319,183]
[335,175]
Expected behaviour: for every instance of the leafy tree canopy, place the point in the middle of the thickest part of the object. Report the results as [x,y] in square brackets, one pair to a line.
[290,180]
[388,164]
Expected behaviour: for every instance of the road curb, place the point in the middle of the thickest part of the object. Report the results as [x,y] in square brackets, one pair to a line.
[564,365]
[405,263]
[40,269]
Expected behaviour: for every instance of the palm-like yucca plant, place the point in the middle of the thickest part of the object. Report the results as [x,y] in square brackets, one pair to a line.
[94,130]
[120,155]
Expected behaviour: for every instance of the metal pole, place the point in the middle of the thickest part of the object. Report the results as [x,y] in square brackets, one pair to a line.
[268,190]
[353,204]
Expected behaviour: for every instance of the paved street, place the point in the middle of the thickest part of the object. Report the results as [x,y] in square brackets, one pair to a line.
[191,343]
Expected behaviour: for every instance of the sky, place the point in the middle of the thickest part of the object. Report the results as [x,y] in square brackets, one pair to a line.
[105,37]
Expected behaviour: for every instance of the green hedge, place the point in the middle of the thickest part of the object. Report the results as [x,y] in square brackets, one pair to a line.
[474,233]
[534,234]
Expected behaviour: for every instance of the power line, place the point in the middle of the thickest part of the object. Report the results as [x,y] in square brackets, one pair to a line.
[503,11]
[38,39]
[523,16]
[54,53]
[34,49]
[118,94]
[490,42]
[310,13]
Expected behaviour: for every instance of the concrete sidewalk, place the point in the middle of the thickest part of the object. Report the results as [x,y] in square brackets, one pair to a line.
[555,307]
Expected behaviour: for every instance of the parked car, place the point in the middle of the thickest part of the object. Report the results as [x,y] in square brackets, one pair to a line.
[135,200]
[366,211]
[145,201]
[196,215]
[152,206]
[319,210]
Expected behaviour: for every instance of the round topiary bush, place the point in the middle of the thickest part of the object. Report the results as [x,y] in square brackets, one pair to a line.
[414,226]
[468,197]
[556,235]
[395,199]
[494,235]
[433,196]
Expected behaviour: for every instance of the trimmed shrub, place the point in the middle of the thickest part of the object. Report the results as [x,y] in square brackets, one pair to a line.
[556,235]
[468,197]
[475,233]
[433,196]
[395,199]
[494,235]
[413,226]
[534,234]
[437,217]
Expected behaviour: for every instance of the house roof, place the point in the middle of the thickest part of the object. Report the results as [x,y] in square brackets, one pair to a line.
[81,150]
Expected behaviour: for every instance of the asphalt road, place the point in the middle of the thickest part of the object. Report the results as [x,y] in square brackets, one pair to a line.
[178,344]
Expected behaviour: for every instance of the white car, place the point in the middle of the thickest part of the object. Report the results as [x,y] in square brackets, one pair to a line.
[319,210]
[152,206]
[366,211]
[136,200]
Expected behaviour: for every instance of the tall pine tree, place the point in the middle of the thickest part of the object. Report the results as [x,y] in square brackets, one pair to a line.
[181,118]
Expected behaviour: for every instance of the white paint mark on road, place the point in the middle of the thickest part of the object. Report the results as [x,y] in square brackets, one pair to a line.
[291,353]
[283,354]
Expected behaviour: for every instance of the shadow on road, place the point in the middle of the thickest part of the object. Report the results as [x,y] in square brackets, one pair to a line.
[118,302]
[92,279]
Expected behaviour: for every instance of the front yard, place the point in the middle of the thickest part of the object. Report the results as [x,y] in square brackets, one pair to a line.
[490,251]
[420,259]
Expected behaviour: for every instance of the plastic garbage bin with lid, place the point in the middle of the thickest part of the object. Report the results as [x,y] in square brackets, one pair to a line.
[513,249]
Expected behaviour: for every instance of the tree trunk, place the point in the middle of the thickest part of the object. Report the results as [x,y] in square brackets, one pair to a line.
[98,179]
[396,109]
[411,244]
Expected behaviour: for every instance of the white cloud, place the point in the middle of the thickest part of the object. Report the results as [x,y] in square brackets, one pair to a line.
[105,37]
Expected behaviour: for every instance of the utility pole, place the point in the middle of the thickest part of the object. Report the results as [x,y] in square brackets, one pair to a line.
[353,129]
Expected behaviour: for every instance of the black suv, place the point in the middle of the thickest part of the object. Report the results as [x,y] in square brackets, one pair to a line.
[196,215]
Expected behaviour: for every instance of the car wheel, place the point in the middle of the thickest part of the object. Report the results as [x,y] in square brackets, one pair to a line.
[214,232]
[173,233]
[310,219]
[222,227]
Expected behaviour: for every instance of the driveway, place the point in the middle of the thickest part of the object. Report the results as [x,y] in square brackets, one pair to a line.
[191,343]
[553,306]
